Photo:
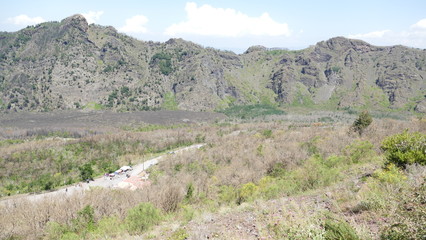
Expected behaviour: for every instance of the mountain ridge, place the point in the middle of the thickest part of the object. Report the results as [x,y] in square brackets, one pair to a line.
[73,65]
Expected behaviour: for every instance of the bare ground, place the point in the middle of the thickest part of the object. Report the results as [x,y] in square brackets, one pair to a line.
[18,124]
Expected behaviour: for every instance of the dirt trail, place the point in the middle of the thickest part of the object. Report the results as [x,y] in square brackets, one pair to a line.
[98,182]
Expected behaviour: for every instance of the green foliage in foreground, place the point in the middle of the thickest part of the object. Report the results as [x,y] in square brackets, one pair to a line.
[84,226]
[339,230]
[179,234]
[142,217]
[411,217]
[314,173]
[80,226]
[405,148]
[251,111]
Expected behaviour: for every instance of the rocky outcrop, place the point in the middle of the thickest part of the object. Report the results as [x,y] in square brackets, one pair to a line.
[77,21]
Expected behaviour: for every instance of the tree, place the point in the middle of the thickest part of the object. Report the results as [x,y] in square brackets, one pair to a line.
[86,172]
[362,122]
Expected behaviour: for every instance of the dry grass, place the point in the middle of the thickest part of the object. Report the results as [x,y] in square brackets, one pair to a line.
[234,155]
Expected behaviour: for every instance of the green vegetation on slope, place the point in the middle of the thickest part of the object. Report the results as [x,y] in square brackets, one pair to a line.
[274,180]
[169,102]
[77,160]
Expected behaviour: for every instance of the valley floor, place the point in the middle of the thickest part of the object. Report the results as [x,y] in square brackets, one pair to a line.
[263,179]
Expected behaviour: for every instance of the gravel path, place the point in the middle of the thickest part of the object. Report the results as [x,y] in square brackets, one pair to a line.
[101,181]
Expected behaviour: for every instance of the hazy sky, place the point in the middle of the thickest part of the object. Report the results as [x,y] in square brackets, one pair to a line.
[236,25]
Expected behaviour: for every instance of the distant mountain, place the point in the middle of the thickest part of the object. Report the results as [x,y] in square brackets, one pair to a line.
[70,64]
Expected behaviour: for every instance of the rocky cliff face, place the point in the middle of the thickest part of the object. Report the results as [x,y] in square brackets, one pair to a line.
[70,64]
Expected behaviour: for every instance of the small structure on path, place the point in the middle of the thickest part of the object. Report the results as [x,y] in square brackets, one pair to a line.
[135,182]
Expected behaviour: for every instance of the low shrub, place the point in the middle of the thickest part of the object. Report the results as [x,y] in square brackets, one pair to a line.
[55,230]
[108,226]
[227,194]
[410,220]
[269,187]
[170,199]
[247,192]
[85,221]
[188,212]
[360,151]
[79,228]
[315,173]
[405,148]
[339,230]
[179,234]
[276,170]
[142,217]
[304,228]
[267,133]
[390,174]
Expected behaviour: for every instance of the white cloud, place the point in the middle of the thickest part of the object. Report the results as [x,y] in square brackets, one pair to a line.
[375,34]
[25,20]
[209,21]
[412,36]
[92,17]
[420,25]
[135,24]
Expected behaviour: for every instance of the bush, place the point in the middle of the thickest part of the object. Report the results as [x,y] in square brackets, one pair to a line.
[360,151]
[108,226]
[142,217]
[86,172]
[276,170]
[396,232]
[339,230]
[247,192]
[85,221]
[362,122]
[267,133]
[171,199]
[189,192]
[316,172]
[269,187]
[164,62]
[179,234]
[405,148]
[391,174]
[55,230]
[227,194]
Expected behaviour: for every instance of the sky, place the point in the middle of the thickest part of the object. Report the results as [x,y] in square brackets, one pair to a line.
[236,25]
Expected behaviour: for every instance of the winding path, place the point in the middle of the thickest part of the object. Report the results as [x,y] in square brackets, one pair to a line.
[98,182]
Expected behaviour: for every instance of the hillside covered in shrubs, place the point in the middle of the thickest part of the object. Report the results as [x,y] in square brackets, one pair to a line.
[269,180]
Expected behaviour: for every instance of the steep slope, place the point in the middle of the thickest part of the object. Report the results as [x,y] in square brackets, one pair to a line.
[353,73]
[70,64]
